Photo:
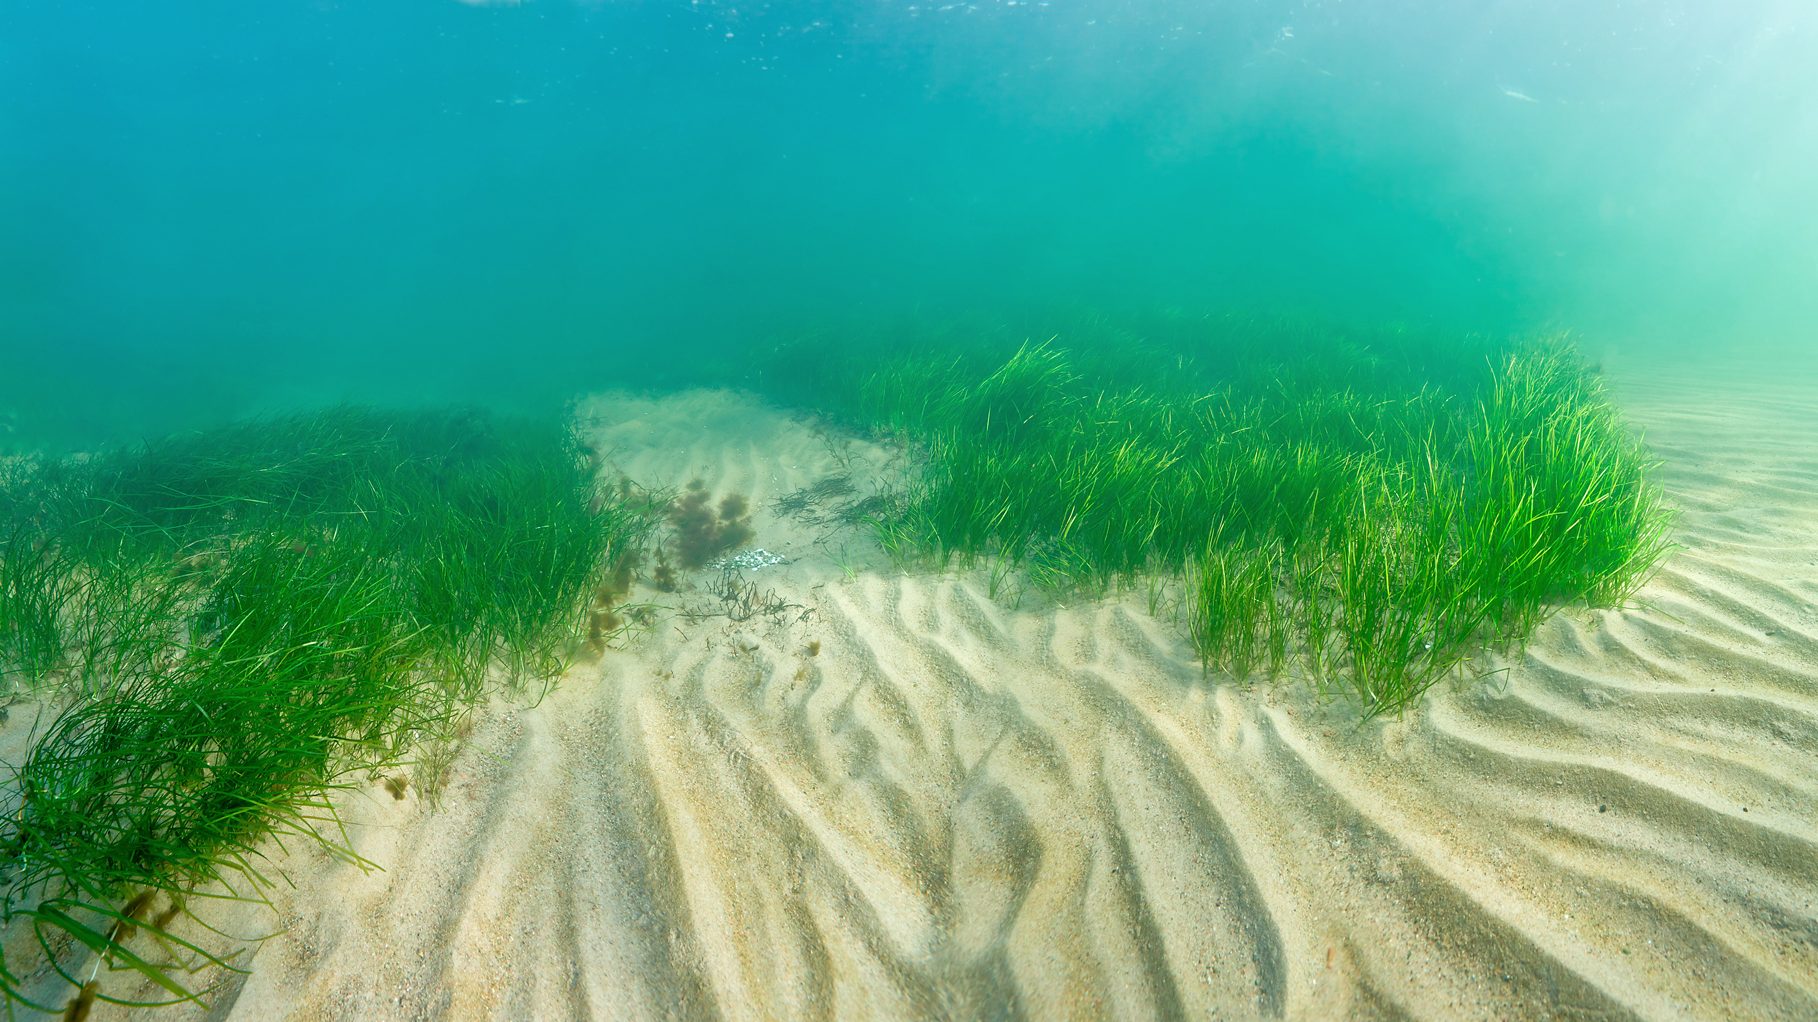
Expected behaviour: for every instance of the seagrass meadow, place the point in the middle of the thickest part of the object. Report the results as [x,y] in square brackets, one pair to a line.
[1365,509]
[752,510]
[230,625]
[1262,640]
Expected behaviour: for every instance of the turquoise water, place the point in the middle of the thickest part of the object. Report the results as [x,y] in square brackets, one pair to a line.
[210,208]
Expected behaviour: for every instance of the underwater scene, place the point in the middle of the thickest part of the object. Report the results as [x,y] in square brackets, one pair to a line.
[1014,509]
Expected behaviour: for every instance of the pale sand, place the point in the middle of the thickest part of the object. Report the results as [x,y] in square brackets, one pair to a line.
[959,809]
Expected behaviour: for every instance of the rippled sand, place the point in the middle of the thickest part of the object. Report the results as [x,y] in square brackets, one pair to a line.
[903,799]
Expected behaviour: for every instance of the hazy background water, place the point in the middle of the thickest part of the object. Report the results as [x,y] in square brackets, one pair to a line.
[211,207]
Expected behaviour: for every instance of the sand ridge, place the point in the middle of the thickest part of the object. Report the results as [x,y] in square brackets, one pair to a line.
[902,798]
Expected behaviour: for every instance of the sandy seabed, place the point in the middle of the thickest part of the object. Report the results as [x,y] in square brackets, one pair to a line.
[903,799]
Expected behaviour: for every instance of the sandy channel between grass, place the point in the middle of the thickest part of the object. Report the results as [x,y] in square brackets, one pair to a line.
[899,798]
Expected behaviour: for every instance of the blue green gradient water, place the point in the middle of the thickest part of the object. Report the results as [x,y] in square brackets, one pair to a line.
[207,208]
